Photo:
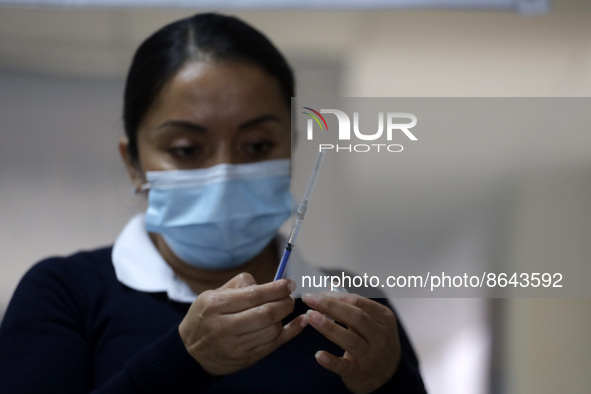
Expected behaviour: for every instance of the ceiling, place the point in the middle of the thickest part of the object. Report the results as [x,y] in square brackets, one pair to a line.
[98,42]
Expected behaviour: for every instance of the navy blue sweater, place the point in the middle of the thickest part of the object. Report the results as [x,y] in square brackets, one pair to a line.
[72,327]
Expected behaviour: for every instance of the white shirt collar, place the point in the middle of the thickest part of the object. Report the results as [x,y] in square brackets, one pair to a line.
[139,265]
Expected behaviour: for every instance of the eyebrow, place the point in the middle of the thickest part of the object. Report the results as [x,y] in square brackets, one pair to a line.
[258,120]
[183,124]
[201,129]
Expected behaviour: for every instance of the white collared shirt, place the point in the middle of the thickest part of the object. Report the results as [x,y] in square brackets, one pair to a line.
[139,265]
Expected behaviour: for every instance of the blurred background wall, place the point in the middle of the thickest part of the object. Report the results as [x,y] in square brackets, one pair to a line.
[63,188]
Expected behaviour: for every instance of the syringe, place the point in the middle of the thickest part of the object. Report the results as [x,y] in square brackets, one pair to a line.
[295,229]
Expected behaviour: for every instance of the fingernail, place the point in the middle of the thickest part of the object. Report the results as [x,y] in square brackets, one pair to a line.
[292,286]
[303,321]
[315,317]
[321,357]
[311,299]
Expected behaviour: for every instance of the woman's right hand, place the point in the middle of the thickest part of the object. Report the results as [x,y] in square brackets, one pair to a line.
[233,327]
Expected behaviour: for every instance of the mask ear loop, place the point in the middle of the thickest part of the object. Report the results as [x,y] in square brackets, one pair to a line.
[143,188]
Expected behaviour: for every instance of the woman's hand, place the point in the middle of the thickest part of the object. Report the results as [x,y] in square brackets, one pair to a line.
[233,327]
[370,338]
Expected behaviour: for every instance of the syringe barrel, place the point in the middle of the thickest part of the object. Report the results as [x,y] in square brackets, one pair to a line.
[301,212]
[295,229]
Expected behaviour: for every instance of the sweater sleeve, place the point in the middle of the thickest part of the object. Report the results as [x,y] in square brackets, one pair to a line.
[44,345]
[162,367]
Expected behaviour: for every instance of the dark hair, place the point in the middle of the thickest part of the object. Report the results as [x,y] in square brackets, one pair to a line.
[200,37]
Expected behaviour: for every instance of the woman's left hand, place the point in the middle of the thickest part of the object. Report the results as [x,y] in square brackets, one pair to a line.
[369,338]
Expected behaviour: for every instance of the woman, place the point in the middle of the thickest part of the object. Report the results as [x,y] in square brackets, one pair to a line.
[185,301]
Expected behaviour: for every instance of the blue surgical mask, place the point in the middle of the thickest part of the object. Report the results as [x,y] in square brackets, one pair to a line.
[219,217]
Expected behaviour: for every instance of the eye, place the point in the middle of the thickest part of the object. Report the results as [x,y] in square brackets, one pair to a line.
[185,152]
[258,149]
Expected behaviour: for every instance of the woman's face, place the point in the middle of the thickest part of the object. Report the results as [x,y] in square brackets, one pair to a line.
[211,113]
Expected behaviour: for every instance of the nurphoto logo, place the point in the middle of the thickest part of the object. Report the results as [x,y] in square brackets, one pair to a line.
[397,123]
